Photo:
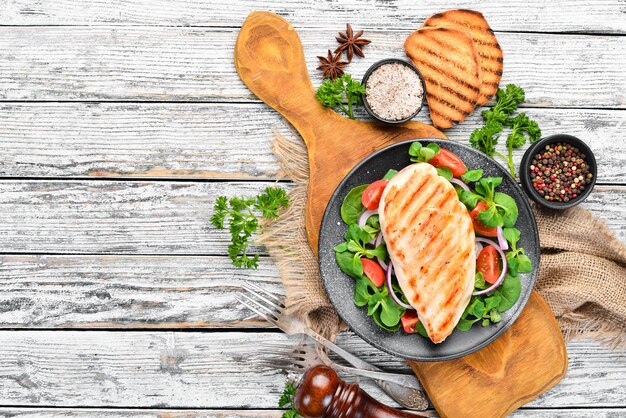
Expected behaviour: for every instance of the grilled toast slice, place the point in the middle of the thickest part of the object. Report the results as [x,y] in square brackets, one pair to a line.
[490,56]
[448,61]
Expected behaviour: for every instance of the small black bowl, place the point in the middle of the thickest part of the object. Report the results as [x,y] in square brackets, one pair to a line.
[366,105]
[524,174]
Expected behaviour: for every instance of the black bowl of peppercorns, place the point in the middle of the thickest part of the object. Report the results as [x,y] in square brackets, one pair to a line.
[558,171]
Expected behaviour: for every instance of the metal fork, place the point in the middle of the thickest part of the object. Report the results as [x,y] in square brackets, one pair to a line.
[303,356]
[404,388]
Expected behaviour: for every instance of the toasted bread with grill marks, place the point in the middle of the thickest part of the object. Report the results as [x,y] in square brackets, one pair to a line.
[448,61]
[490,56]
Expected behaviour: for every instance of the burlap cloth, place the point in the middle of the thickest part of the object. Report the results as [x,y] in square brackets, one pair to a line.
[582,274]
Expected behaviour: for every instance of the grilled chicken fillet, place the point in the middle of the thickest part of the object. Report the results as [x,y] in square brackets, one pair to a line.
[430,240]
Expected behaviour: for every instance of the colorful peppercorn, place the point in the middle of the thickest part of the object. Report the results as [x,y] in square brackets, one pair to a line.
[559,172]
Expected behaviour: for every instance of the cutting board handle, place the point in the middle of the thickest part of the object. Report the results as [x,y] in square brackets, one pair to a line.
[270,61]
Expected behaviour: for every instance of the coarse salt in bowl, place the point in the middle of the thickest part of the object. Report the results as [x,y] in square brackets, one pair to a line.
[394,91]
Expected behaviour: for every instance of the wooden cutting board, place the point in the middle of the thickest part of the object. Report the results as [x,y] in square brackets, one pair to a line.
[526,360]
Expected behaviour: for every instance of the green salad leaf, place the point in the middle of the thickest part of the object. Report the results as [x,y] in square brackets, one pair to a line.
[516,258]
[390,174]
[423,154]
[352,207]
[472,175]
[445,172]
[501,208]
[508,292]
[380,306]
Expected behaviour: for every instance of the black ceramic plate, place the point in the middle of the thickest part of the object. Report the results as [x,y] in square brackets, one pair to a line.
[340,287]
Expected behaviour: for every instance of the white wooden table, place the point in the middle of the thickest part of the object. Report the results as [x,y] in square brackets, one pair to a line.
[121,121]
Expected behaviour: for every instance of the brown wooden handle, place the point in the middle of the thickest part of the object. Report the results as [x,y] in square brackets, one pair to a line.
[270,61]
[322,394]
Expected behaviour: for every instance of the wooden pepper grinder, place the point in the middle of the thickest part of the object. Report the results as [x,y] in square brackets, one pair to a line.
[322,394]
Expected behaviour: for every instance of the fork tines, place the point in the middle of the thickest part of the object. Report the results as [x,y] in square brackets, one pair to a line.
[259,300]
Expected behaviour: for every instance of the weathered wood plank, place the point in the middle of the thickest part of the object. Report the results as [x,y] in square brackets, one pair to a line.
[219,141]
[127,291]
[209,370]
[196,64]
[260,413]
[153,217]
[527,15]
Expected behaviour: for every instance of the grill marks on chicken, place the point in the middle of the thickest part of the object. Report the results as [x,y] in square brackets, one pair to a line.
[430,240]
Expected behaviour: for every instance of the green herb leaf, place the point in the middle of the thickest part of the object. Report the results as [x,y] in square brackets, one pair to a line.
[221,211]
[287,397]
[507,101]
[331,94]
[287,401]
[486,138]
[520,124]
[243,222]
[271,202]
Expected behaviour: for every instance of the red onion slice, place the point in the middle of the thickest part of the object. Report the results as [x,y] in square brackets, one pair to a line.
[504,267]
[365,216]
[390,288]
[460,183]
[479,248]
[501,240]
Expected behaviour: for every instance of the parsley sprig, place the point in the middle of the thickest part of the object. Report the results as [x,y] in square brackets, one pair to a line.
[332,93]
[486,138]
[243,221]
[286,401]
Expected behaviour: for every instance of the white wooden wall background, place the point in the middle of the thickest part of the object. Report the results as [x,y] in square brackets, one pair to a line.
[120,121]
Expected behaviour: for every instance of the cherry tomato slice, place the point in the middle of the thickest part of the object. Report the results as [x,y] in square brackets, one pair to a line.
[488,263]
[445,158]
[409,321]
[373,271]
[479,228]
[373,193]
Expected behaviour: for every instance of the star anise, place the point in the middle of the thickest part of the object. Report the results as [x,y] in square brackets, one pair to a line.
[331,65]
[351,43]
